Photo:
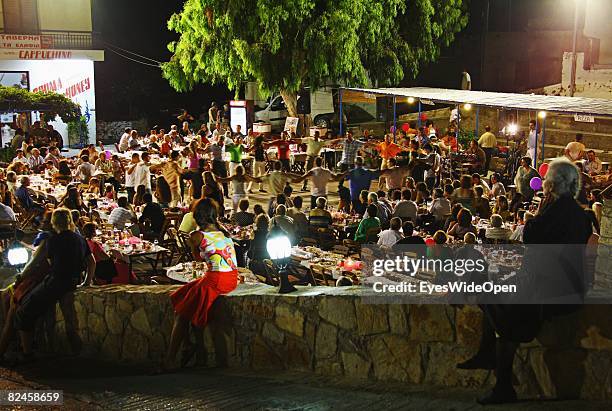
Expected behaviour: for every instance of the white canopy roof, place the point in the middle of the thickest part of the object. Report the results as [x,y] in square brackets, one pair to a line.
[558,104]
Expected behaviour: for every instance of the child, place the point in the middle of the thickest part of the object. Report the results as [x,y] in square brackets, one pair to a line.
[94,186]
[109,192]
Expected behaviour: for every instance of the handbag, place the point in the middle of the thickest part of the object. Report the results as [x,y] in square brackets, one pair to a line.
[106,270]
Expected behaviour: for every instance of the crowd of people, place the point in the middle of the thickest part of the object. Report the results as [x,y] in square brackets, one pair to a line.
[404,188]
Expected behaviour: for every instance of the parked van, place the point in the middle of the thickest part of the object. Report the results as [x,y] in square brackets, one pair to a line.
[319,104]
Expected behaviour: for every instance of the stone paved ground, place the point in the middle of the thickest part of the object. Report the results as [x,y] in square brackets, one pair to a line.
[92,385]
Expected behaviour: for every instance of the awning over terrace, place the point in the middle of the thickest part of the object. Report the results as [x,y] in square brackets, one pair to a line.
[553,104]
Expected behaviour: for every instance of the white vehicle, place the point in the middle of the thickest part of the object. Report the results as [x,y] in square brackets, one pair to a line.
[321,109]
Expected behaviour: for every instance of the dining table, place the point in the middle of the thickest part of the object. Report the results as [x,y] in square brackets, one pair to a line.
[129,248]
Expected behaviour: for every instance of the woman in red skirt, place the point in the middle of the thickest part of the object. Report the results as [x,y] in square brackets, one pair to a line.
[192,302]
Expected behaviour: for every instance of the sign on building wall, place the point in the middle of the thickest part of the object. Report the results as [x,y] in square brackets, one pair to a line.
[73,78]
[51,54]
[25,41]
[584,118]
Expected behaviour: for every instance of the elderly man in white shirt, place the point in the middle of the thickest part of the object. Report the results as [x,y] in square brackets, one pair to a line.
[389,237]
[406,208]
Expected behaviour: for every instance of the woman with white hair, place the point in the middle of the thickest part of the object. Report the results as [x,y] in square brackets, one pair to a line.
[556,273]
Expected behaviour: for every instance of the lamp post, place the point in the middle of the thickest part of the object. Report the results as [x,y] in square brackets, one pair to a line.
[574,55]
[279,249]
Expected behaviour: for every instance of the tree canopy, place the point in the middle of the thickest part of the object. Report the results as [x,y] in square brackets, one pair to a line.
[52,104]
[285,45]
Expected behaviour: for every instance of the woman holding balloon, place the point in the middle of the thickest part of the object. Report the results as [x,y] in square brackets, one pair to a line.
[527,181]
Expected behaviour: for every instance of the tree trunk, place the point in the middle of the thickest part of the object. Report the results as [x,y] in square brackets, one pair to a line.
[290,99]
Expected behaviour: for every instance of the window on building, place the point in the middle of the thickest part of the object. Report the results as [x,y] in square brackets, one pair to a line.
[20,16]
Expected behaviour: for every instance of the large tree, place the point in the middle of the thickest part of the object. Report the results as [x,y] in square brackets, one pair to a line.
[285,45]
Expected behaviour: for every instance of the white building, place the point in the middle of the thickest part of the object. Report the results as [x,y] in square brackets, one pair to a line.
[47,45]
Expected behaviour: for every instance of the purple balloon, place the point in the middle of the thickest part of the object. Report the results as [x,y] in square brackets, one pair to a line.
[535,183]
[108,154]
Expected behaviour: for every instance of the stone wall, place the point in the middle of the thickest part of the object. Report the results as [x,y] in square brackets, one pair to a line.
[330,331]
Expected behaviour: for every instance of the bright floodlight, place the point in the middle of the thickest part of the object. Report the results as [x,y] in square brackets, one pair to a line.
[279,247]
[542,114]
[467,106]
[512,129]
[18,256]
[411,100]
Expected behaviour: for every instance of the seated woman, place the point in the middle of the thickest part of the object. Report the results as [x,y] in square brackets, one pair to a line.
[481,203]
[452,219]
[192,302]
[464,195]
[258,250]
[502,208]
[463,226]
[72,200]
[30,277]
[368,224]
[496,230]
[64,175]
[68,256]
[188,223]
[94,186]
[360,206]
[108,270]
[162,192]
[138,199]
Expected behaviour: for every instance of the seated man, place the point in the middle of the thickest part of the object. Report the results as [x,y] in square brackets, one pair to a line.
[496,230]
[121,215]
[409,237]
[25,199]
[406,209]
[389,237]
[243,218]
[592,165]
[7,219]
[299,218]
[284,222]
[319,216]
[154,214]
[383,213]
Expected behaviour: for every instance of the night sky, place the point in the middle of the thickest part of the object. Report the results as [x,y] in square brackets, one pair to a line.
[128,90]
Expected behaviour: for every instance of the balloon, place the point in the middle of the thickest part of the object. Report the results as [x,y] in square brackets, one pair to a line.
[108,154]
[406,127]
[535,183]
[429,242]
[543,169]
